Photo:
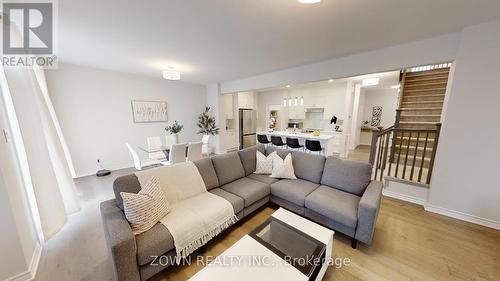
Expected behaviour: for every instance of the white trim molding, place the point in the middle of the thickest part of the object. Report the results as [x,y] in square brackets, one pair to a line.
[462,216]
[404,197]
[29,274]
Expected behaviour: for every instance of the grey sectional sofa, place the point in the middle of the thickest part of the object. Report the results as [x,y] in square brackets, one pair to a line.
[333,192]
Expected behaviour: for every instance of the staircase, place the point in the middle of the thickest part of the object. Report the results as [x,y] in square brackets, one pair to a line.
[422,97]
[406,151]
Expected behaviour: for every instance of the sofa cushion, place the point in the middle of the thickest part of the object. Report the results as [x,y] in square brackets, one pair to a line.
[154,242]
[346,175]
[281,152]
[129,183]
[262,178]
[248,189]
[228,167]
[294,191]
[308,166]
[335,204]
[236,201]
[207,172]
[248,157]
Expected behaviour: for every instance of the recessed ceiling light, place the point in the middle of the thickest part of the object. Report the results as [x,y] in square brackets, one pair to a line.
[172,74]
[309,1]
[395,86]
[331,80]
[370,81]
[288,86]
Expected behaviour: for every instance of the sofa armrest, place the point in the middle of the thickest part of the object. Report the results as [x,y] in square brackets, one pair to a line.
[368,208]
[120,241]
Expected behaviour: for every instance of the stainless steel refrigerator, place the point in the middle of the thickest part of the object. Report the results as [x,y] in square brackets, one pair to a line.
[247,128]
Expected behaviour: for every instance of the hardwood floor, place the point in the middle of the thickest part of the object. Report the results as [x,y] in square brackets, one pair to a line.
[409,244]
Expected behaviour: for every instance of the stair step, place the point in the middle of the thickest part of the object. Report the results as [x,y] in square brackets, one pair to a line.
[424,90]
[420,115]
[421,102]
[420,108]
[428,72]
[416,123]
[423,84]
[433,78]
[424,96]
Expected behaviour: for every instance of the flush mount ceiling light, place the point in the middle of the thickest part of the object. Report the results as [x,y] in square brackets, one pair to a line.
[395,86]
[172,74]
[370,81]
[288,86]
[330,81]
[309,1]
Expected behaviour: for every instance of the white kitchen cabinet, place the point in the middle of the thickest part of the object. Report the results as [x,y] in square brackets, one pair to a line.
[314,101]
[296,112]
[227,106]
[246,100]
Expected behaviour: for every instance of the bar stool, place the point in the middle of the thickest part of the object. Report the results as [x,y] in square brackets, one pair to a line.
[293,143]
[277,141]
[314,145]
[263,139]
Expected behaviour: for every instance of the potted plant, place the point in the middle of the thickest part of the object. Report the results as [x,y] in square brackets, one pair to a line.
[174,131]
[206,123]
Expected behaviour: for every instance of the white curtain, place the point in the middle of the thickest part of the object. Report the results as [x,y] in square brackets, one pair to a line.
[46,154]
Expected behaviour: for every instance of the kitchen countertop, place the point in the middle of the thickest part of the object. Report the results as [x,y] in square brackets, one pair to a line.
[322,136]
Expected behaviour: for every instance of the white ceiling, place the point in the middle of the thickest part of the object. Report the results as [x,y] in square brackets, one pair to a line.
[221,40]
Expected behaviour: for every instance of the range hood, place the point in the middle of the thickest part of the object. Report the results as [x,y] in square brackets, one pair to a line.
[315,109]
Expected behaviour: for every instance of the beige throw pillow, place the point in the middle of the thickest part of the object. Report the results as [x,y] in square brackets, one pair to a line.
[264,165]
[283,169]
[144,209]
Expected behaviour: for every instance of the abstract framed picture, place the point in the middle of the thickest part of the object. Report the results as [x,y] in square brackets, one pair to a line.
[149,111]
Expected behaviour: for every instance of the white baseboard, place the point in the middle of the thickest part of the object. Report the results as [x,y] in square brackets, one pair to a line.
[29,274]
[404,197]
[462,216]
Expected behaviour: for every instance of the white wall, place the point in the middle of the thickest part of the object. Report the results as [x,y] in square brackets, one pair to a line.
[94,109]
[332,94]
[465,181]
[388,99]
[432,50]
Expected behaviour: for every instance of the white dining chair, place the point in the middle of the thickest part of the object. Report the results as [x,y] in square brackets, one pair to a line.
[138,164]
[153,144]
[194,151]
[205,149]
[177,153]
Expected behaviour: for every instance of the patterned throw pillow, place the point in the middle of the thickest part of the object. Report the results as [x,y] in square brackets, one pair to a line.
[144,209]
[264,165]
[283,169]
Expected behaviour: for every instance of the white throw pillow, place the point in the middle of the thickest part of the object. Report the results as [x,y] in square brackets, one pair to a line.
[283,169]
[144,209]
[264,165]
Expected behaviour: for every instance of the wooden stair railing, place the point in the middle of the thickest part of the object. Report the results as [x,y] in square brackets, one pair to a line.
[410,158]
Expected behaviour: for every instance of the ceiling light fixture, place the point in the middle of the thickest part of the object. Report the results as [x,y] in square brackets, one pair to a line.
[396,86]
[309,1]
[331,80]
[288,86]
[370,81]
[171,74]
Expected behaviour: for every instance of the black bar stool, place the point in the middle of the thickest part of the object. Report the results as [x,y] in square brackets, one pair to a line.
[293,143]
[277,141]
[263,139]
[314,145]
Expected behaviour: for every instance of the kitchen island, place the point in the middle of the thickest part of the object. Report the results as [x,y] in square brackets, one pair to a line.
[332,142]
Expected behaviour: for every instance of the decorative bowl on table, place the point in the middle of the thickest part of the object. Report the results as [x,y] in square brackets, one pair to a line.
[315,133]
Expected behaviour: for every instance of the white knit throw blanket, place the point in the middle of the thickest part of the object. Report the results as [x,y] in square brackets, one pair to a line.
[196,215]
